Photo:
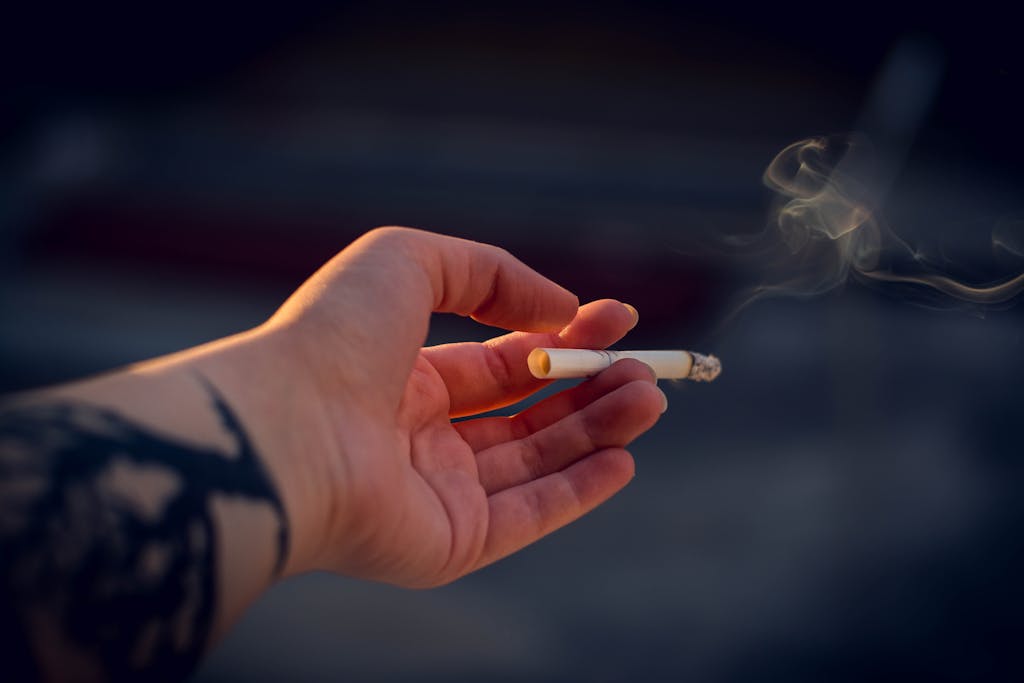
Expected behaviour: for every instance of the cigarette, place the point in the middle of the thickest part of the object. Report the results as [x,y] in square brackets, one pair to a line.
[565,363]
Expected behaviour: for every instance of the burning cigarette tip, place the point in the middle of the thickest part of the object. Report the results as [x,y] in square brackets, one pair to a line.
[667,364]
[705,367]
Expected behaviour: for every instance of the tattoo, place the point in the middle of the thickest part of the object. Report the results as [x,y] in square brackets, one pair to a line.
[107,540]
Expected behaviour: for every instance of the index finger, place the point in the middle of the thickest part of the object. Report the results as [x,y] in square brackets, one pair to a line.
[492,286]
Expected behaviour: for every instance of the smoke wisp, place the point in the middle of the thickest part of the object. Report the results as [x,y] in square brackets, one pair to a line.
[827,230]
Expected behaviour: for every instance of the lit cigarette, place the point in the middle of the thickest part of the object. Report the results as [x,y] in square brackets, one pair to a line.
[565,363]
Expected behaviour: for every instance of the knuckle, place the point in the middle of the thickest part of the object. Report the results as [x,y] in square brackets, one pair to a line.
[498,367]
[593,429]
[531,458]
[387,233]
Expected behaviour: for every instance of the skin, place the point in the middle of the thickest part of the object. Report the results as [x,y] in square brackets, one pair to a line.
[352,420]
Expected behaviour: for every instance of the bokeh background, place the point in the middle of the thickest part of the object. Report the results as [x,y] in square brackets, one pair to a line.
[843,504]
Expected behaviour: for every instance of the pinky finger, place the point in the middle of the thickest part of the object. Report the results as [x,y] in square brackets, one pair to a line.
[523,514]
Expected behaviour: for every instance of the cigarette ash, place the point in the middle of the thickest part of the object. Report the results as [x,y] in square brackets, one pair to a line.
[705,368]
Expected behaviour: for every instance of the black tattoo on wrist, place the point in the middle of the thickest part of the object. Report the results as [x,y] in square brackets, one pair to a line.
[90,567]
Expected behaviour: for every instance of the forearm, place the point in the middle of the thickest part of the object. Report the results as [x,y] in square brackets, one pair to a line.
[142,511]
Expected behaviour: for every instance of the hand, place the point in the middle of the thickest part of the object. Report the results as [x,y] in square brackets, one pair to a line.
[403,494]
[321,439]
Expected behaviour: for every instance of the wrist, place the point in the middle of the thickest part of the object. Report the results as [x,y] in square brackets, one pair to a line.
[256,374]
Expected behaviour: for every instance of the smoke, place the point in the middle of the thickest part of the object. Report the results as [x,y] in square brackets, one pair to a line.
[827,231]
[1008,237]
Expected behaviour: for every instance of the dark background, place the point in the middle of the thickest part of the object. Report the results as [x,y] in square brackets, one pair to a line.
[842,504]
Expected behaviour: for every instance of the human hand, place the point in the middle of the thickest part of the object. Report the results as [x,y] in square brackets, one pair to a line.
[399,493]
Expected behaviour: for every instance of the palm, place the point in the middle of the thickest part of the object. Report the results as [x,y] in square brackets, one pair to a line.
[470,492]
[447,512]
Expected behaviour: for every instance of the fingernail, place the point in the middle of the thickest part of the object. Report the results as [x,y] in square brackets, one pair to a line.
[635,313]
[664,401]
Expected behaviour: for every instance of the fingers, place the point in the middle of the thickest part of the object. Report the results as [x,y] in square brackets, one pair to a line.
[571,463]
[485,432]
[492,374]
[367,311]
[612,420]
[525,513]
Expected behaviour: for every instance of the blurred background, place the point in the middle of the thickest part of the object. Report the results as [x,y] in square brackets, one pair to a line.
[842,504]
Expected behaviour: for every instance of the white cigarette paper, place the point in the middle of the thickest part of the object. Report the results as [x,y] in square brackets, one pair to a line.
[567,363]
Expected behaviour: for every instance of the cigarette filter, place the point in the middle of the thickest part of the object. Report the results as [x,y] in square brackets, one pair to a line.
[667,364]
